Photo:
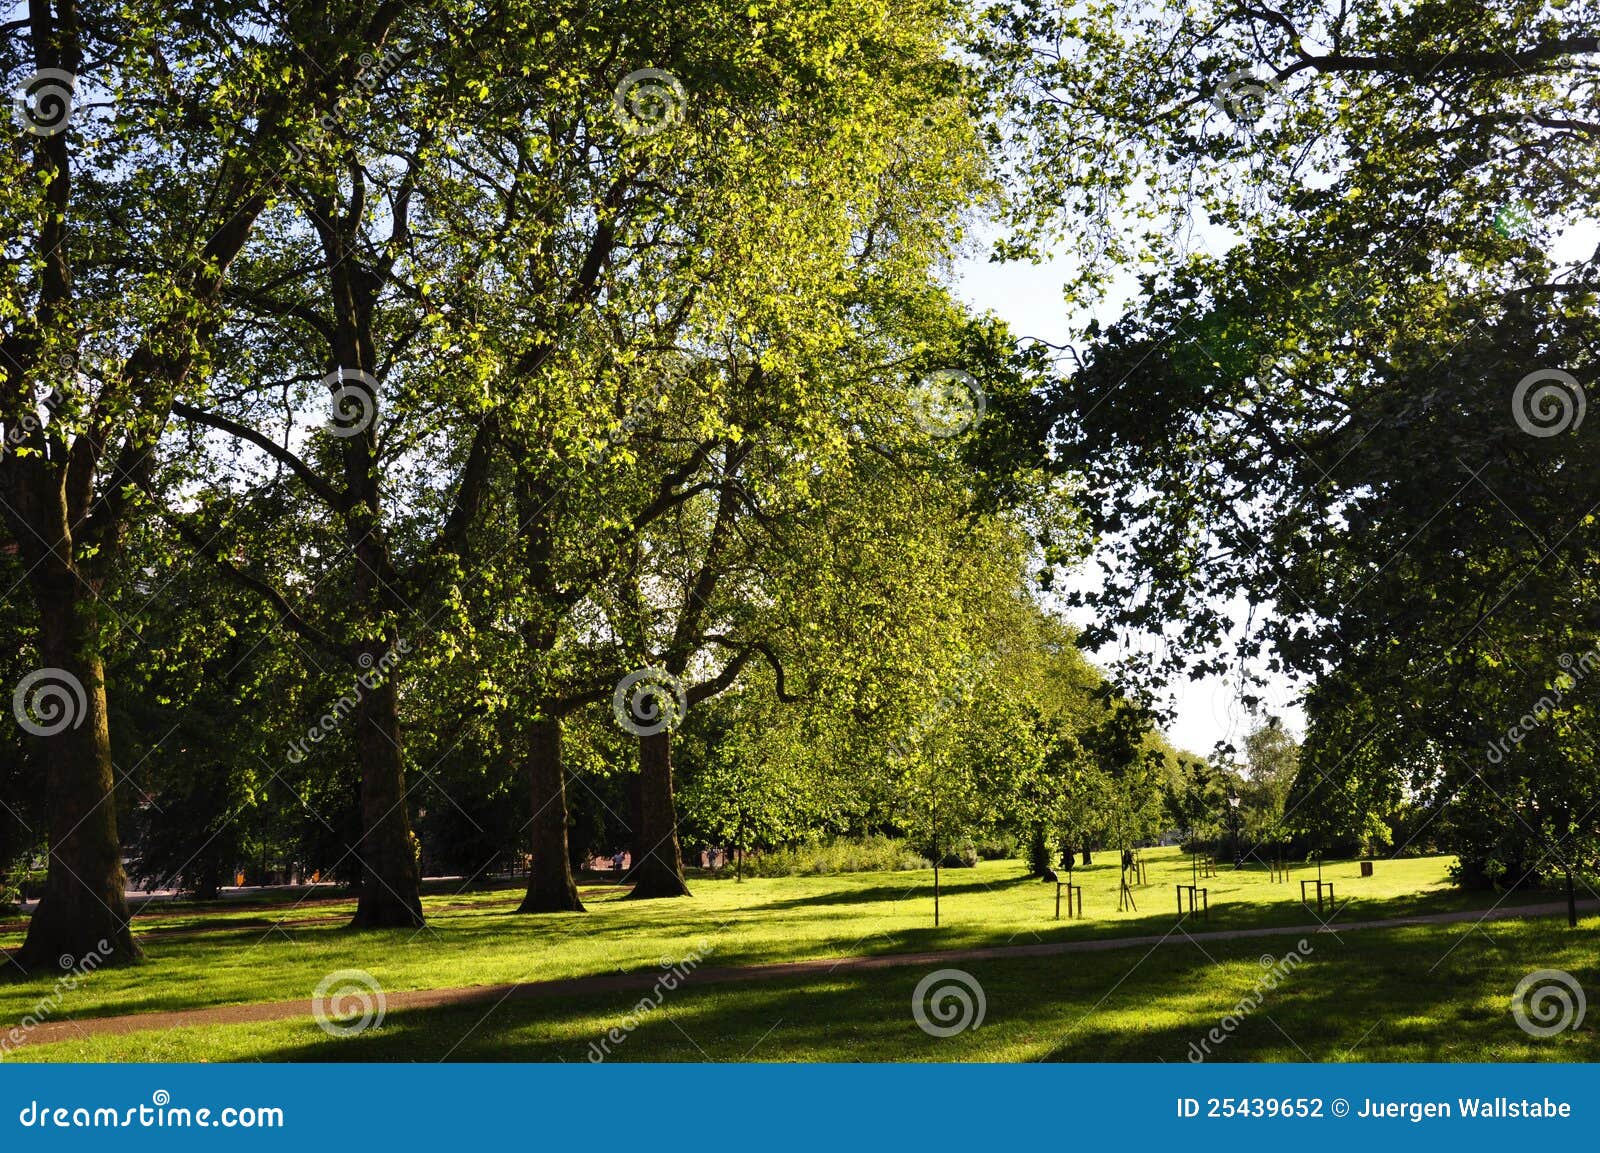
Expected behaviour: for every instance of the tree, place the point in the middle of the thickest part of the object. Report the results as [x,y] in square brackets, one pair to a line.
[1361,421]
[365,293]
[101,334]
[682,266]
[1272,761]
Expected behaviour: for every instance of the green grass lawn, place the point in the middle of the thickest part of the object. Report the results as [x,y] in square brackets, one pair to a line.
[1039,1007]
[1426,993]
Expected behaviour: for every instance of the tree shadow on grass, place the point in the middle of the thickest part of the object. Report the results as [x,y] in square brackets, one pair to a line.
[1397,996]
[951,883]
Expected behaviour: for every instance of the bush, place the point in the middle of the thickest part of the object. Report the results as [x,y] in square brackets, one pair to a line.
[841,855]
[1001,848]
[962,857]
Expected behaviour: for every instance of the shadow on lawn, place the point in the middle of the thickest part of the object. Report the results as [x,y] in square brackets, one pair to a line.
[1397,996]
[952,883]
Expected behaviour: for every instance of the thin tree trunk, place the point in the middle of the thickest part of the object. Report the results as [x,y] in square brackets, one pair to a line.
[658,869]
[84,906]
[390,881]
[1572,901]
[551,888]
[936,893]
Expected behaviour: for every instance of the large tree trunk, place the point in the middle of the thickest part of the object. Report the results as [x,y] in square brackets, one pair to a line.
[84,907]
[390,881]
[658,867]
[631,786]
[551,888]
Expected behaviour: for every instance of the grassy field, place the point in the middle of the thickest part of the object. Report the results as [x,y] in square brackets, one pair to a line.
[1425,993]
[1364,994]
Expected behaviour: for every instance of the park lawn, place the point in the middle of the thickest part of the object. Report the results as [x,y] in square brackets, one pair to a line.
[1413,993]
[475,939]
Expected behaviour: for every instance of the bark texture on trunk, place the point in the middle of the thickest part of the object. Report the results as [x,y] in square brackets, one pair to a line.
[551,888]
[390,881]
[658,867]
[84,908]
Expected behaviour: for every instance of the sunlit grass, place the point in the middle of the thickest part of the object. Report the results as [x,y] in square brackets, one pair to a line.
[1417,993]
[478,938]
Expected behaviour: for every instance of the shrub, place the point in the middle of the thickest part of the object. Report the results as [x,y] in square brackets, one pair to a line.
[840,855]
[960,857]
[1001,848]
